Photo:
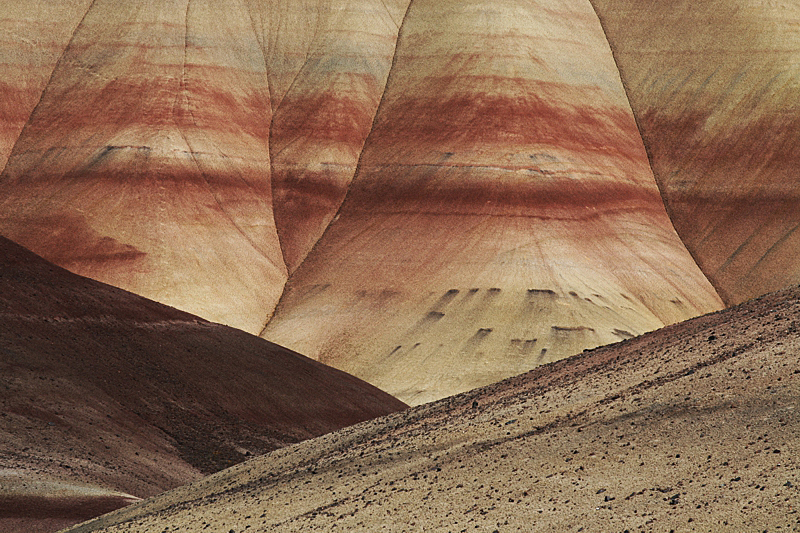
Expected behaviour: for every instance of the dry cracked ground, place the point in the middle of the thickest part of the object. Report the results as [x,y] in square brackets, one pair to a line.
[691,428]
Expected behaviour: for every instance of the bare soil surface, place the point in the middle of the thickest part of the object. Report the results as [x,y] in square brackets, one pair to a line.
[709,84]
[102,387]
[694,427]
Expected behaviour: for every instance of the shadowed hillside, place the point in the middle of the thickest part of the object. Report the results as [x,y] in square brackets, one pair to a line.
[102,391]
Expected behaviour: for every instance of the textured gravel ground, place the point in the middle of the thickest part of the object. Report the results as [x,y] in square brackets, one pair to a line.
[690,428]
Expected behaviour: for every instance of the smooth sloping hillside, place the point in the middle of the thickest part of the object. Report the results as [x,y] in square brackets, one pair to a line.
[102,390]
[714,86]
[455,192]
[33,35]
[503,215]
[694,427]
[147,161]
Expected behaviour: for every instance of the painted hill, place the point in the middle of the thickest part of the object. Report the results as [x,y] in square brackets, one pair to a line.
[33,35]
[431,196]
[503,214]
[714,88]
[105,395]
[145,164]
[164,123]
[689,428]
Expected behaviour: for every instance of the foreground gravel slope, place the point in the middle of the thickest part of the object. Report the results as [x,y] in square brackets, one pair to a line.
[691,428]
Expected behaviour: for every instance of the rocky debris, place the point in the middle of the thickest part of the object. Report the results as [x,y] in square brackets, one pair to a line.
[664,432]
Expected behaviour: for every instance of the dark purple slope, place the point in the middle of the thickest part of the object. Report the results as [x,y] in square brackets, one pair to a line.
[103,387]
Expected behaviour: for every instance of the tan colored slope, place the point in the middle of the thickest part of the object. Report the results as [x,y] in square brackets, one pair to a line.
[146,163]
[33,35]
[714,86]
[104,388]
[689,428]
[503,215]
[337,55]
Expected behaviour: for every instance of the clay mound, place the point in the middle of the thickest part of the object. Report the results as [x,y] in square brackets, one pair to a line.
[163,123]
[689,428]
[714,88]
[430,196]
[503,214]
[33,35]
[102,387]
[145,162]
